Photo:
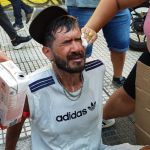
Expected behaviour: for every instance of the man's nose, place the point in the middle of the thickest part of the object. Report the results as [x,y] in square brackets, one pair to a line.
[76,45]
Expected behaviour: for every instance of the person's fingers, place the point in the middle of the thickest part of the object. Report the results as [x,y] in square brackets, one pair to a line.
[84,29]
[92,38]
[89,34]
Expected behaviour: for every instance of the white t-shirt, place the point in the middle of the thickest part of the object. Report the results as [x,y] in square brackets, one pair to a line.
[61,124]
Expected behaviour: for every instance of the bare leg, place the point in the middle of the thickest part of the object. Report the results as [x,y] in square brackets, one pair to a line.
[118,59]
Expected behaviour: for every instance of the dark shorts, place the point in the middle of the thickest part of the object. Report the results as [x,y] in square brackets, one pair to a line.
[117,32]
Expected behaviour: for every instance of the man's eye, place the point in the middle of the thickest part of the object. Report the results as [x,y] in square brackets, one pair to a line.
[66,42]
[78,39]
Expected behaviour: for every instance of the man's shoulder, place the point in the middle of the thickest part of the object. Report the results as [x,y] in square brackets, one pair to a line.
[39,73]
[41,78]
[92,64]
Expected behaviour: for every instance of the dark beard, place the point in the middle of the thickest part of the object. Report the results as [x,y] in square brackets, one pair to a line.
[64,65]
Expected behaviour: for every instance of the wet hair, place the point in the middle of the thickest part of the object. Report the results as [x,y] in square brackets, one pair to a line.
[69,22]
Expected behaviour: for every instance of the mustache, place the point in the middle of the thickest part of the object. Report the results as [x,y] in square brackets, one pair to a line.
[75,55]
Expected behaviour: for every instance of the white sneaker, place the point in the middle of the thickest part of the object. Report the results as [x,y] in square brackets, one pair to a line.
[108,123]
[20,41]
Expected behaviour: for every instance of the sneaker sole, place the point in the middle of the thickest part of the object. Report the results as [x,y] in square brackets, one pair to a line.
[21,45]
[19,29]
[116,84]
[109,125]
[34,10]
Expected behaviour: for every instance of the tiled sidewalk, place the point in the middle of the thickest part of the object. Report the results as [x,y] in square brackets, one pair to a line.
[31,58]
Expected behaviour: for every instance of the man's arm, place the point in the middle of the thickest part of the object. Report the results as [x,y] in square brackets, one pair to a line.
[146,148]
[13,132]
[3,57]
[119,104]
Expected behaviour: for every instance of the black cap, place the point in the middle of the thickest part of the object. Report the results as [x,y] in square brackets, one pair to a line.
[42,20]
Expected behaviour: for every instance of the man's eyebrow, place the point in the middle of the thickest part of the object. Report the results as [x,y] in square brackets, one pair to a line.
[67,41]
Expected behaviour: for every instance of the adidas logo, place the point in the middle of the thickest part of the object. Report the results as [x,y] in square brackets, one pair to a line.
[92,107]
[70,115]
[75,114]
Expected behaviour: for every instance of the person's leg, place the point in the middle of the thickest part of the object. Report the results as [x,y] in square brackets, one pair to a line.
[29,11]
[83,15]
[118,59]
[116,33]
[17,41]
[6,25]
[17,11]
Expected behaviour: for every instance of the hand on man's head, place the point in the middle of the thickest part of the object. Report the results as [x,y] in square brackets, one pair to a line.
[89,34]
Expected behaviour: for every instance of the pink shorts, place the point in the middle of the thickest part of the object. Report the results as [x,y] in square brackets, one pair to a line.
[147,25]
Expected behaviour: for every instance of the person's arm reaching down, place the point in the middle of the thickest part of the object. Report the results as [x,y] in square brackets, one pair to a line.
[107,9]
[104,12]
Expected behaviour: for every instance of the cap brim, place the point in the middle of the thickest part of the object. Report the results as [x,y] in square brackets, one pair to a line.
[42,20]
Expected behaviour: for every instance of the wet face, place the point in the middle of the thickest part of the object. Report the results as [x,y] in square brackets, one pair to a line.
[68,52]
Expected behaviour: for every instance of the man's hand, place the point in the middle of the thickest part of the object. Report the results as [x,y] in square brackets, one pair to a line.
[89,34]
[146,148]
[3,57]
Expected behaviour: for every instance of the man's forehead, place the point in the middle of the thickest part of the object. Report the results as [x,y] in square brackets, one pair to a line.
[64,31]
[63,36]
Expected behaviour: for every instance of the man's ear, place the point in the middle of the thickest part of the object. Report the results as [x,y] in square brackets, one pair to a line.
[47,52]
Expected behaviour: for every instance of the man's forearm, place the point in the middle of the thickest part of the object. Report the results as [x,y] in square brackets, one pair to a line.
[3,57]
[12,135]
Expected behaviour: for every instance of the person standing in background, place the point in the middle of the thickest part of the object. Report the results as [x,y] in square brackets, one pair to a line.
[116,33]
[17,6]
[16,40]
